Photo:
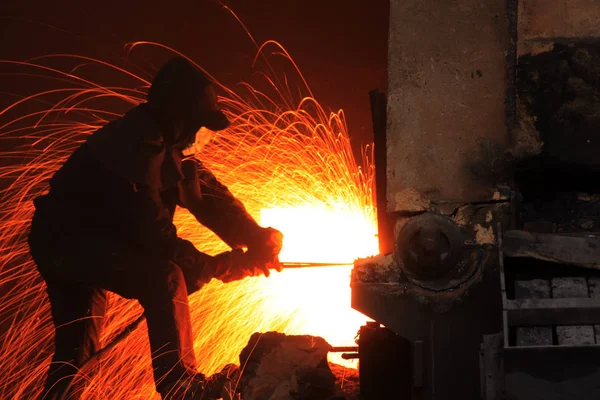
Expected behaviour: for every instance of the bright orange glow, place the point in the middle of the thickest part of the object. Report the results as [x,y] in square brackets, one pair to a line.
[320,296]
[320,234]
[317,301]
[283,156]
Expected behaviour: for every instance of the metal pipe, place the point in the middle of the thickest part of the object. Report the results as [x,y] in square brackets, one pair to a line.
[313,264]
[343,349]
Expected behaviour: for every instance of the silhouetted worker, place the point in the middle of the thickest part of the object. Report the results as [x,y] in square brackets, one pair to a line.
[107,225]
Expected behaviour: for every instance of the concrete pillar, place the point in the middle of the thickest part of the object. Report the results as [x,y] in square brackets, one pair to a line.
[446,131]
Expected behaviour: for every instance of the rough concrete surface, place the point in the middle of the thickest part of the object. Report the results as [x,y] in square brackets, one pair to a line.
[548,19]
[376,269]
[478,222]
[447,85]
[559,91]
[524,135]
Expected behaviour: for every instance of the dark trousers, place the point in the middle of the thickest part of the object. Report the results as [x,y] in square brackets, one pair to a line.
[77,278]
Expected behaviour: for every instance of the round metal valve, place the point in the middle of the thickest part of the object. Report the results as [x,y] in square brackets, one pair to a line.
[429,247]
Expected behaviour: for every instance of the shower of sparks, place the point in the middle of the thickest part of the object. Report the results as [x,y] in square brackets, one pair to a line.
[288,160]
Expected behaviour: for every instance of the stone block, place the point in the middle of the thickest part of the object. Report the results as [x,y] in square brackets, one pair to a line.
[575,335]
[533,335]
[275,365]
[569,288]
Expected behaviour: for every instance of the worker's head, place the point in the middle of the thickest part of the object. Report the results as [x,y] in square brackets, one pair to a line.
[183,99]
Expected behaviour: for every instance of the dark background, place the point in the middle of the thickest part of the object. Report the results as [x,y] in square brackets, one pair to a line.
[339,45]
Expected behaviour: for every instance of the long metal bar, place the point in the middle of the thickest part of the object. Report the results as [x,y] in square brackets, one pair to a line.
[313,264]
[343,349]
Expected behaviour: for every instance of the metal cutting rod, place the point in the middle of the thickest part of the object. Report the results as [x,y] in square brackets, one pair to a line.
[313,264]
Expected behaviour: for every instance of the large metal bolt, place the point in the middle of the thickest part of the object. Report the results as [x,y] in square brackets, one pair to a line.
[429,246]
[429,239]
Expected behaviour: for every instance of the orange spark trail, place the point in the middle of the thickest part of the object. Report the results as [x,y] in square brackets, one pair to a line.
[288,160]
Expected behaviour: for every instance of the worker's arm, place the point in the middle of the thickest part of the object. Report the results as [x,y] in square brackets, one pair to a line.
[215,207]
[199,268]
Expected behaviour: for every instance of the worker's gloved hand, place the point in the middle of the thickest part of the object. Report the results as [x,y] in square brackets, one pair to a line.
[265,248]
[236,265]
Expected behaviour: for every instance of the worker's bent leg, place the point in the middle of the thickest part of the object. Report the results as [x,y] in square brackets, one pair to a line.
[158,285]
[78,315]
[165,303]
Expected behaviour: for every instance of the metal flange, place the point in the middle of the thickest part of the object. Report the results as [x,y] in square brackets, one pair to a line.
[429,248]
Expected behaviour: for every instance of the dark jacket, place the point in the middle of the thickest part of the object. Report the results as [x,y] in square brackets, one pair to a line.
[121,185]
[217,209]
